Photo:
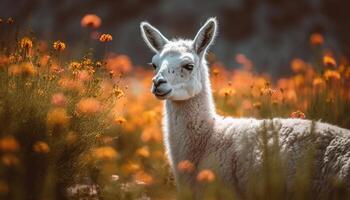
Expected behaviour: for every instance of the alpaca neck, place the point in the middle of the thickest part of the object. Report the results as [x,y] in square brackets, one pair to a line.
[188,123]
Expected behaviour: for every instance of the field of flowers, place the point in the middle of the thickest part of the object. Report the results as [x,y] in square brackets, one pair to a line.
[86,128]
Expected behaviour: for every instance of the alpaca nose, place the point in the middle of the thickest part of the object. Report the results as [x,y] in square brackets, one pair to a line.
[158,80]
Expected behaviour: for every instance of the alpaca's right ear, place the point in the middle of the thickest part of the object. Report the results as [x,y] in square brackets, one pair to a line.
[153,38]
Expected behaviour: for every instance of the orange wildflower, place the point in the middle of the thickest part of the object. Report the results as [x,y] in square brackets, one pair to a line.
[120,120]
[57,117]
[59,45]
[216,72]
[41,147]
[119,63]
[143,152]
[9,160]
[298,114]
[58,99]
[316,39]
[206,176]
[329,61]
[104,153]
[106,37]
[9,144]
[185,166]
[318,82]
[298,65]
[91,20]
[88,106]
[28,69]
[143,178]
[26,43]
[331,74]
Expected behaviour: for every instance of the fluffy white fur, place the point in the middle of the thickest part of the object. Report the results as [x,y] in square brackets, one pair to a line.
[232,147]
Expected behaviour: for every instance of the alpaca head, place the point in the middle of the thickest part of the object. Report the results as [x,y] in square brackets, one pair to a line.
[178,63]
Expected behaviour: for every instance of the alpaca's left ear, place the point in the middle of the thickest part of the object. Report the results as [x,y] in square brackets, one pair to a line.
[205,36]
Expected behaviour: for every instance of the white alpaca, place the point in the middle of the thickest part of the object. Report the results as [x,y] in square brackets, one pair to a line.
[232,147]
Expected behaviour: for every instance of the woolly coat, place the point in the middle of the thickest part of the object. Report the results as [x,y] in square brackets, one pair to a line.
[233,148]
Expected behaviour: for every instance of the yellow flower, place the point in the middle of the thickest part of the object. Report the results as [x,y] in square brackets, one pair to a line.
[106,38]
[59,45]
[205,176]
[57,117]
[26,43]
[41,147]
[9,144]
[185,166]
[104,153]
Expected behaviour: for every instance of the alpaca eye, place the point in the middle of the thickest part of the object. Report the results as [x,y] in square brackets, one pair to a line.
[188,67]
[153,65]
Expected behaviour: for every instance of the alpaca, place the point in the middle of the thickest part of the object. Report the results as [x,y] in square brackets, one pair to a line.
[230,146]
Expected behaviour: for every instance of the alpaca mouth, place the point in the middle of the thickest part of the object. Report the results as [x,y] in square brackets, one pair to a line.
[164,94]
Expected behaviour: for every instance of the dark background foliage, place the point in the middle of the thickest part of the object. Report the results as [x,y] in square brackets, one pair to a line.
[269,32]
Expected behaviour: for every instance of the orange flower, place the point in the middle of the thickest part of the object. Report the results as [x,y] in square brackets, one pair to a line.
[91,20]
[119,63]
[14,70]
[57,117]
[120,120]
[216,72]
[9,160]
[331,74]
[104,153]
[206,176]
[9,144]
[318,82]
[298,114]
[26,43]
[143,178]
[28,69]
[41,147]
[298,65]
[257,105]
[74,66]
[10,20]
[59,45]
[329,61]
[316,39]
[185,166]
[143,152]
[106,37]
[58,99]
[88,106]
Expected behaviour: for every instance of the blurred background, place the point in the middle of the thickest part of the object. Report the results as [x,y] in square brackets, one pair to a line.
[269,32]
